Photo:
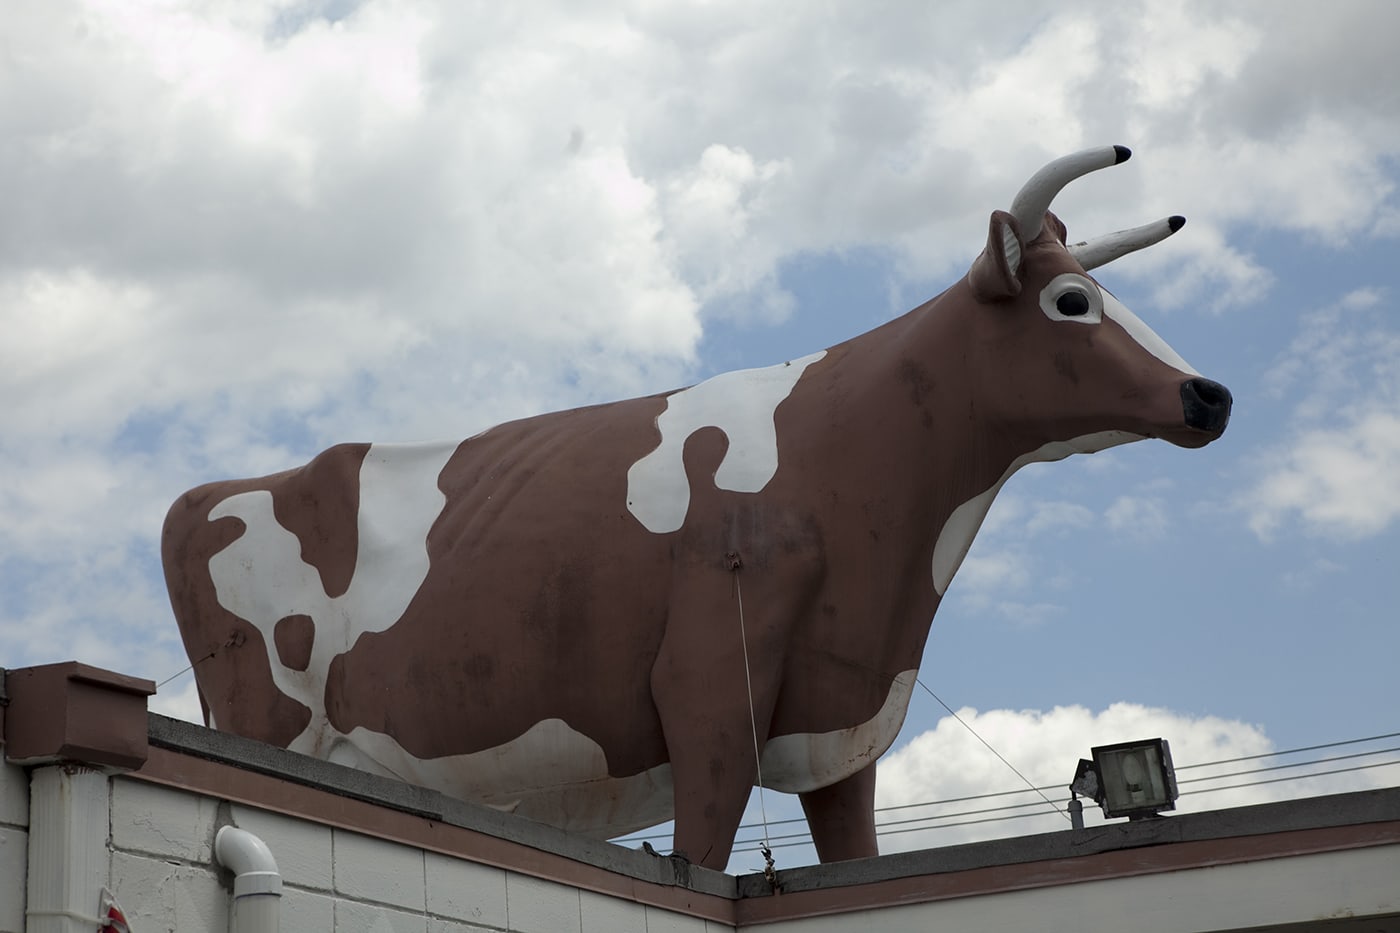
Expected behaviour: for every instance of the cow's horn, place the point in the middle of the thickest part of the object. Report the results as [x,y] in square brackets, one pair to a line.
[1034,199]
[1102,250]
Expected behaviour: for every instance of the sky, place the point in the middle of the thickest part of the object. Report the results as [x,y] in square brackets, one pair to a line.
[235,233]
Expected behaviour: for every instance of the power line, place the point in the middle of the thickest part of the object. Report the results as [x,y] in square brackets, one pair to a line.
[791,840]
[1295,764]
[1289,751]
[940,820]
[1296,777]
[990,749]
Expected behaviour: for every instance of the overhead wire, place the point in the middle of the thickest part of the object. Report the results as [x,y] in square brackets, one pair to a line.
[1290,751]
[979,738]
[948,820]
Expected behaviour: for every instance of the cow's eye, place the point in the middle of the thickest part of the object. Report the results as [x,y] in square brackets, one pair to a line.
[1073,304]
[1072,297]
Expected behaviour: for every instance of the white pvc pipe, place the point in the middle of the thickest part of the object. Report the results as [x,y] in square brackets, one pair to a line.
[257,885]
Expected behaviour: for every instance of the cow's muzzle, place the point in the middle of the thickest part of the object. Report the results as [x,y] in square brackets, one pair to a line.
[1206,405]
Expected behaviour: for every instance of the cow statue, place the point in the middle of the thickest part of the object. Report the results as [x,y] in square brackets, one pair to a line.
[608,617]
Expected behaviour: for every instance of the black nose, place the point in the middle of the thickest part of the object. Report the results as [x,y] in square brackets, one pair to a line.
[1206,404]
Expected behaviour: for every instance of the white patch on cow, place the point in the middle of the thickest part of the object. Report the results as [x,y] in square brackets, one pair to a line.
[261,577]
[795,764]
[1146,337]
[558,776]
[742,405]
[551,774]
[955,538]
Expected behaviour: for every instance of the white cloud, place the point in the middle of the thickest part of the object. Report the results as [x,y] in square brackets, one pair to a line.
[1005,563]
[1338,472]
[1054,517]
[1138,516]
[237,232]
[994,571]
[1338,482]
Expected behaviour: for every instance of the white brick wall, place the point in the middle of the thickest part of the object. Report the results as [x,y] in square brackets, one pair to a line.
[14,855]
[14,845]
[467,892]
[156,820]
[353,917]
[334,880]
[609,915]
[306,911]
[452,926]
[537,906]
[162,895]
[664,921]
[302,849]
[368,869]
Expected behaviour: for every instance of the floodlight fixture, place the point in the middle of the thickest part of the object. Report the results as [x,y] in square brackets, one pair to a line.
[1132,779]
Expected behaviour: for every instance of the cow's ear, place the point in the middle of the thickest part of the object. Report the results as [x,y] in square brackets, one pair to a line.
[1056,226]
[994,275]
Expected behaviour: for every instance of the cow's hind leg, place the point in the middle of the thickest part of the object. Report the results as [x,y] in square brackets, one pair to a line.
[842,817]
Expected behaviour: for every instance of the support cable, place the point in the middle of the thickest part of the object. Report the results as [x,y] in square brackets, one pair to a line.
[767,850]
[1047,800]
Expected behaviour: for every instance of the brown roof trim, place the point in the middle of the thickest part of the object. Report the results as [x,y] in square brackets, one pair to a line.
[1123,863]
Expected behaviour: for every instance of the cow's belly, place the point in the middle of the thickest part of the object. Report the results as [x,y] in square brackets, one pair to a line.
[555,775]
[551,774]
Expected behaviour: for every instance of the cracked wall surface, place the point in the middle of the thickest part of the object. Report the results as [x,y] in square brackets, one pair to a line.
[337,880]
[14,845]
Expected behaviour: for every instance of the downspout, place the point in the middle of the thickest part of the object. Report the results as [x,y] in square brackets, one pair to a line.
[68,855]
[257,886]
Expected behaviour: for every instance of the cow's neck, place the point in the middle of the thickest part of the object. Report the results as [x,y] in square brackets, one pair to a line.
[921,375]
[957,532]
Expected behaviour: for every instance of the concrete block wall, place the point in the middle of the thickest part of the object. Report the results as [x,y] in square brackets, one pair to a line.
[14,845]
[165,878]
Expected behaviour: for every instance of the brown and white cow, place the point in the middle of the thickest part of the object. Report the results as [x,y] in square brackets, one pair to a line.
[546,617]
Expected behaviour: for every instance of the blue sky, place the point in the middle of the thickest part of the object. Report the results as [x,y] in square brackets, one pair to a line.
[236,233]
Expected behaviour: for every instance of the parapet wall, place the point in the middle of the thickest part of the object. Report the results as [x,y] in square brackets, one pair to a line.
[358,852]
[337,879]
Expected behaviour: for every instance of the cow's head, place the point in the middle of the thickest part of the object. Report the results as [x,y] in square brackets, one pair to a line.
[1072,360]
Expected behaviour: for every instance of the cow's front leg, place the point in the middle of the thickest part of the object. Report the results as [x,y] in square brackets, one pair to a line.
[702,698]
[842,817]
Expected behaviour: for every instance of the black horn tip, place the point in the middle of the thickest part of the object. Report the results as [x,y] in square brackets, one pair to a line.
[1176,222]
[1122,153]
